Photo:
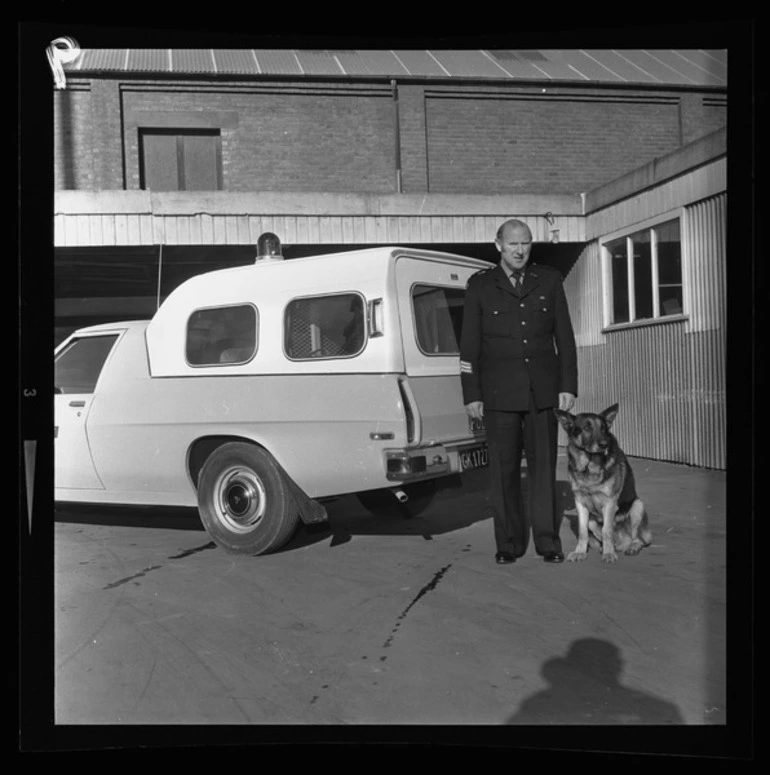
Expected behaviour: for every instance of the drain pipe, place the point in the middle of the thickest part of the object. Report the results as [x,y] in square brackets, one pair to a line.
[397,128]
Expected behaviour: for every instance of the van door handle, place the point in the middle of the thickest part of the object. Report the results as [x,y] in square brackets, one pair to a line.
[77,403]
[374,317]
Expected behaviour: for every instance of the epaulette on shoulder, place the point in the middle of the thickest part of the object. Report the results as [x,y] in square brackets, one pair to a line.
[546,269]
[481,273]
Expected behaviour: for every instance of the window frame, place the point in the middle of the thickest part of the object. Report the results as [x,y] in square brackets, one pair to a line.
[285,327]
[220,364]
[648,225]
[439,286]
[74,339]
[179,133]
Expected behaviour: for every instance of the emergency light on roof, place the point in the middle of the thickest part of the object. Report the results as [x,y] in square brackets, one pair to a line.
[269,247]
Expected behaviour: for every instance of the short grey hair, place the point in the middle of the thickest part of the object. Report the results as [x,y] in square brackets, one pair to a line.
[513,223]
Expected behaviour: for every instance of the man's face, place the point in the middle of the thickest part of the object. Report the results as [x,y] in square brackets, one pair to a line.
[514,245]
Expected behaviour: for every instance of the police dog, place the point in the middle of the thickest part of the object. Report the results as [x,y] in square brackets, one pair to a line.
[603,485]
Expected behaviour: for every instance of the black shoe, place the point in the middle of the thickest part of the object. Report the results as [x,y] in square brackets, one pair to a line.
[553,557]
[504,558]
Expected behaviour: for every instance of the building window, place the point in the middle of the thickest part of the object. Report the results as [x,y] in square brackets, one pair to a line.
[325,327]
[78,365]
[645,274]
[222,335]
[438,318]
[180,160]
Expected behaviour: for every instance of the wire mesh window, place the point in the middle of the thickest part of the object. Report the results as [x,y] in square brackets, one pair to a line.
[438,317]
[325,327]
[222,335]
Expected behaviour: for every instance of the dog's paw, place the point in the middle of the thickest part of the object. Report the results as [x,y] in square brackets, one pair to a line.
[576,556]
[635,548]
[609,556]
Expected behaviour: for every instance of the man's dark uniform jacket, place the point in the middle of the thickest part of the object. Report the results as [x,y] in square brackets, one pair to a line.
[514,340]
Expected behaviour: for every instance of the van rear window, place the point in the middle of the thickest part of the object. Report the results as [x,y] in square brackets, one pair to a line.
[325,327]
[438,318]
[222,335]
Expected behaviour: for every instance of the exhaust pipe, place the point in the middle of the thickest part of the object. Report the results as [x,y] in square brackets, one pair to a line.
[401,496]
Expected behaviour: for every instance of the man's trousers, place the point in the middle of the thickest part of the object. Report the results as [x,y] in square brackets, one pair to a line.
[535,431]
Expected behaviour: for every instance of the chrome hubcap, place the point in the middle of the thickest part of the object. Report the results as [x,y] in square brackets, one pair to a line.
[241,499]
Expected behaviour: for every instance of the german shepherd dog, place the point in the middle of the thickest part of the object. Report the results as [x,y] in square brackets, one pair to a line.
[603,485]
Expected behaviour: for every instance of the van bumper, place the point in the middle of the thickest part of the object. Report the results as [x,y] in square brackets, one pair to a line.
[412,464]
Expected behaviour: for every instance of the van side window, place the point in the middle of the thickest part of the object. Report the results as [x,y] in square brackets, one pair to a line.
[222,335]
[438,318]
[325,327]
[78,366]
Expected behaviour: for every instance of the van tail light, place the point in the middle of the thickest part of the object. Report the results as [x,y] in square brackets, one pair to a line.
[413,425]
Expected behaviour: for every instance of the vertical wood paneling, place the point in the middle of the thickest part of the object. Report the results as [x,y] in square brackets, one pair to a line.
[95,229]
[70,230]
[207,229]
[171,231]
[108,230]
[121,229]
[59,233]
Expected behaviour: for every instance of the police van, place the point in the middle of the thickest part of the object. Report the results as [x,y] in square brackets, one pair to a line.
[256,393]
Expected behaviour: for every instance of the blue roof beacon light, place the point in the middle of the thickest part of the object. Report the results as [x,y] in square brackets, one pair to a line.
[269,247]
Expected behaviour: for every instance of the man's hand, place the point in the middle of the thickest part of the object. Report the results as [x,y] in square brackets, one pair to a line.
[475,409]
[566,401]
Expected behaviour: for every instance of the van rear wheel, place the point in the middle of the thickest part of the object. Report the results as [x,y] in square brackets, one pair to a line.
[244,501]
[383,503]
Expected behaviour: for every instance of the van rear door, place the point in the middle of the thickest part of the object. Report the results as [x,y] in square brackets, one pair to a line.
[431,295]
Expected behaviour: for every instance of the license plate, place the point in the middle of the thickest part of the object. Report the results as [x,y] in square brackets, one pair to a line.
[474,457]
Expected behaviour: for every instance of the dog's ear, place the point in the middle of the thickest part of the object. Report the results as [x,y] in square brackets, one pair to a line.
[610,414]
[566,419]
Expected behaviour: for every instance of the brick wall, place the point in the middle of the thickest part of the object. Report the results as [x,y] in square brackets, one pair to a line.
[542,145]
[329,140]
[701,115]
[105,119]
[338,137]
[73,143]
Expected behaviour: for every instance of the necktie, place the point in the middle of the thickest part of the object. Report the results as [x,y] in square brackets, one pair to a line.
[518,277]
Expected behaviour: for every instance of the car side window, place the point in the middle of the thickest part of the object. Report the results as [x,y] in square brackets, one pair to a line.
[438,318]
[325,327]
[222,335]
[78,365]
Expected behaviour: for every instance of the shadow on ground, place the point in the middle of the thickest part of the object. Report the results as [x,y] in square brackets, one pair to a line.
[585,688]
[160,517]
[458,503]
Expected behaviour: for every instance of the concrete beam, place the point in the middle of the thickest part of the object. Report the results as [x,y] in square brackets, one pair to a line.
[187,203]
[659,170]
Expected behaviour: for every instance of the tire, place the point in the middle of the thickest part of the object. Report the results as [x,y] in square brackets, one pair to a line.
[244,501]
[383,503]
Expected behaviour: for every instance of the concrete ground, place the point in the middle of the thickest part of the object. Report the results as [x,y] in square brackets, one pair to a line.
[385,620]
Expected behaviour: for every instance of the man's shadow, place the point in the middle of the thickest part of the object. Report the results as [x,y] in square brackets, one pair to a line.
[585,688]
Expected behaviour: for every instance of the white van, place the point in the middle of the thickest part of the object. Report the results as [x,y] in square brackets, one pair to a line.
[255,393]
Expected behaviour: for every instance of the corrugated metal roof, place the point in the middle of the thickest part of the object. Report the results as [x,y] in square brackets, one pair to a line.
[665,67]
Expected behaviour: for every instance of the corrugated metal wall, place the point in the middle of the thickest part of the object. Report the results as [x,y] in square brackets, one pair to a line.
[669,378]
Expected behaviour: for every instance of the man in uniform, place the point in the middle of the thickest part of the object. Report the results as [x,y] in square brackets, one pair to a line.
[518,362]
